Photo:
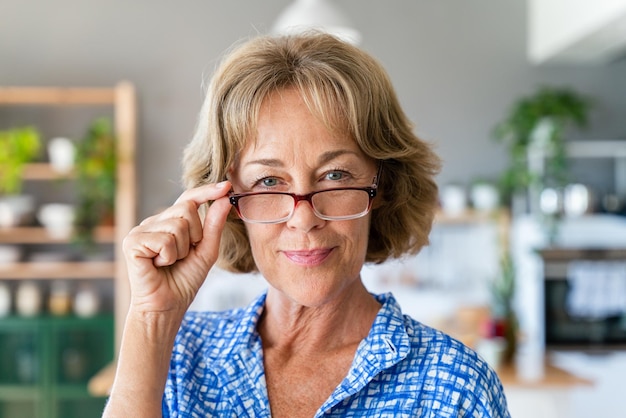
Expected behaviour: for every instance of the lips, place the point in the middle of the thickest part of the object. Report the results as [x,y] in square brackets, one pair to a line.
[308,257]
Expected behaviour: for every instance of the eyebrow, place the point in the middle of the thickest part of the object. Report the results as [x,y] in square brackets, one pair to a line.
[323,159]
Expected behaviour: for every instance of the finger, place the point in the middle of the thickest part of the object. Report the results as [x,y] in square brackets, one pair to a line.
[203,194]
[183,214]
[158,247]
[192,199]
[182,226]
[178,229]
[167,250]
[214,221]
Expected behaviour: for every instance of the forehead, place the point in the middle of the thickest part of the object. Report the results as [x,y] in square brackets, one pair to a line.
[287,129]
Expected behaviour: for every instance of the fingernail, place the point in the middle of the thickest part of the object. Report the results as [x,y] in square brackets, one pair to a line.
[221,184]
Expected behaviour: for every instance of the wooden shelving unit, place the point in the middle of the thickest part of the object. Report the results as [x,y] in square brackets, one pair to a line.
[37,235]
[79,270]
[121,99]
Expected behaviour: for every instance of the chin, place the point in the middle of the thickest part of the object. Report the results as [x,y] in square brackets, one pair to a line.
[313,290]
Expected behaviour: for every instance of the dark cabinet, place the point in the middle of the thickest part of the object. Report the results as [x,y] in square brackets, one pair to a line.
[46,363]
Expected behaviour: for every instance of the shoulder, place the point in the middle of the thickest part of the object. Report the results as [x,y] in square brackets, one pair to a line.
[438,351]
[456,370]
[438,363]
[431,347]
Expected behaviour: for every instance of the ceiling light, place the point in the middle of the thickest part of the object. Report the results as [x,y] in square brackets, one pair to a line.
[302,15]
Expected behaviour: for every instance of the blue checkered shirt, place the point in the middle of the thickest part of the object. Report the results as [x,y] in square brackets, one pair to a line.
[401,369]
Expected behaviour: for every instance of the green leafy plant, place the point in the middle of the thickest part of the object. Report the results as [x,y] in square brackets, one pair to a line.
[541,117]
[95,164]
[18,146]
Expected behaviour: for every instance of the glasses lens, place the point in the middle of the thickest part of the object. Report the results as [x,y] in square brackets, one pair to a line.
[341,204]
[265,207]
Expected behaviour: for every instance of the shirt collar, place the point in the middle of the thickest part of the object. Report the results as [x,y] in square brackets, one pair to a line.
[386,344]
[387,339]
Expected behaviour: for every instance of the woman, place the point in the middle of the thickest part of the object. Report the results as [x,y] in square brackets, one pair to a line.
[304,139]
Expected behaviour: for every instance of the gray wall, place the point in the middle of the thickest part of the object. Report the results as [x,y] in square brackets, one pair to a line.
[457,65]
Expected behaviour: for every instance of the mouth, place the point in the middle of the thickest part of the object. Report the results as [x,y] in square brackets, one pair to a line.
[308,257]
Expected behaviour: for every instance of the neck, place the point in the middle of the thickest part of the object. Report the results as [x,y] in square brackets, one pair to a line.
[342,321]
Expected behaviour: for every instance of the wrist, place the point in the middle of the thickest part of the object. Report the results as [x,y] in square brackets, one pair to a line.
[154,323]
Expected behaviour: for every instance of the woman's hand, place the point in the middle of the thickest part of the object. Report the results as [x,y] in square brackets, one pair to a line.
[170,254]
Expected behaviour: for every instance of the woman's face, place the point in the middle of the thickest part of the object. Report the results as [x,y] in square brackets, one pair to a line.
[307,259]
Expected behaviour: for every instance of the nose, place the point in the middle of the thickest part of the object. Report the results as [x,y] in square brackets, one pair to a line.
[304,217]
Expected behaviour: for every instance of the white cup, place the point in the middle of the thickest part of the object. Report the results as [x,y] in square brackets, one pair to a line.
[61,152]
[485,197]
[453,199]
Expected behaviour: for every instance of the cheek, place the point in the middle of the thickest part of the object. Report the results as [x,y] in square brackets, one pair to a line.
[362,238]
[262,239]
[355,234]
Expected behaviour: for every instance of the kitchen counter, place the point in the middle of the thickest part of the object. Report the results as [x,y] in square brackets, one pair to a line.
[553,377]
[549,395]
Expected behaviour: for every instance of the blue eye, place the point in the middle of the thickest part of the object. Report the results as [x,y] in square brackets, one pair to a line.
[269,182]
[335,175]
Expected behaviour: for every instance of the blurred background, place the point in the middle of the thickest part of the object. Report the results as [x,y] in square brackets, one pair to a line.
[459,67]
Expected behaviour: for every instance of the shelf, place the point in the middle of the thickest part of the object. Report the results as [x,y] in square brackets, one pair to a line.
[39,235]
[469,216]
[43,171]
[614,149]
[569,254]
[553,377]
[56,96]
[58,270]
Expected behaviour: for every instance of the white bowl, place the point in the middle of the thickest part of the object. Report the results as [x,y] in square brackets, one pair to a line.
[16,210]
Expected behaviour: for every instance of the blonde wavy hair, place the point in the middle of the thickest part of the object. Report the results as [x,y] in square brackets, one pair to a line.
[348,89]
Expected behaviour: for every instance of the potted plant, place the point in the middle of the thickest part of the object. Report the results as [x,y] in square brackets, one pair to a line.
[18,146]
[539,121]
[505,323]
[95,166]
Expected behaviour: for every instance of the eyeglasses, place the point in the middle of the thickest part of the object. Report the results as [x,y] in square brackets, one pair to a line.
[339,204]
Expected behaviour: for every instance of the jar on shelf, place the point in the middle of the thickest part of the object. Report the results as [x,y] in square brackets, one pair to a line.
[60,300]
[86,301]
[28,299]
